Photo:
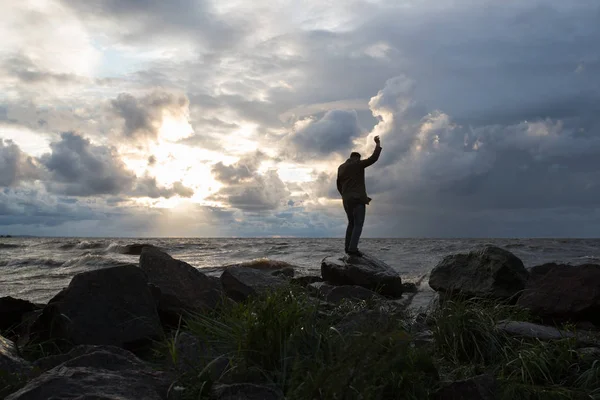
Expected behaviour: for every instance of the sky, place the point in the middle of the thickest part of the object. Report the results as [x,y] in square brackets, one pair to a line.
[229,118]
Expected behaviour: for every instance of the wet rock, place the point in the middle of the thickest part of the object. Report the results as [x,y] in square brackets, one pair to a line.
[240,282]
[482,387]
[245,391]
[10,361]
[337,294]
[284,272]
[304,281]
[12,311]
[111,306]
[366,271]
[489,272]
[533,331]
[589,355]
[182,287]
[560,292]
[101,372]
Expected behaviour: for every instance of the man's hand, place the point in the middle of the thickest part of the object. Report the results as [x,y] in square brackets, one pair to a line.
[377,140]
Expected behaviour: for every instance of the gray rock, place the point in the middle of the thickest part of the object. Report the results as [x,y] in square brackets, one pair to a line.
[240,282]
[182,287]
[589,355]
[111,306]
[245,391]
[531,330]
[10,362]
[47,363]
[304,281]
[136,249]
[423,338]
[287,272]
[337,294]
[559,292]
[99,373]
[482,387]
[12,311]
[366,271]
[489,272]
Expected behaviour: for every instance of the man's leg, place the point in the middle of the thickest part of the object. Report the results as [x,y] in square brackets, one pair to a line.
[350,228]
[358,212]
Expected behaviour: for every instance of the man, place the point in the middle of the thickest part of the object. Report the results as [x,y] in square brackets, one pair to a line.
[351,185]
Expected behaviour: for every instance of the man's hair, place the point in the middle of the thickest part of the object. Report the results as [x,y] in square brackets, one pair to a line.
[354,154]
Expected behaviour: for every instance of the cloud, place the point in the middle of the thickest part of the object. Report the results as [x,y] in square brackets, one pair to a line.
[334,132]
[144,116]
[247,189]
[15,166]
[78,167]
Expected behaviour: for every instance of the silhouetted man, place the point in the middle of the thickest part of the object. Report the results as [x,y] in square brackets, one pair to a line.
[351,185]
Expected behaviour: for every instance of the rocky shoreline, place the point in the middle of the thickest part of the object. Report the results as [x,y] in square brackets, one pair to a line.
[101,337]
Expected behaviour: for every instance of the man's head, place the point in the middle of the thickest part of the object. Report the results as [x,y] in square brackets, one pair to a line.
[355,156]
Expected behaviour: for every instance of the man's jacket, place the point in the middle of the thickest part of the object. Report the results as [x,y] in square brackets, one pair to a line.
[351,178]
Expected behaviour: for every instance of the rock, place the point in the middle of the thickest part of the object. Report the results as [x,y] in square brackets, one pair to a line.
[482,387]
[589,355]
[240,282]
[364,321]
[409,287]
[559,292]
[47,363]
[304,281]
[423,338]
[263,264]
[136,248]
[284,272]
[111,306]
[194,356]
[531,330]
[101,372]
[366,271]
[12,311]
[489,272]
[182,287]
[10,362]
[337,294]
[245,391]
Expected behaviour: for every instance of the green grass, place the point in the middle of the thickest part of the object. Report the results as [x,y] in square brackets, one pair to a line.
[287,339]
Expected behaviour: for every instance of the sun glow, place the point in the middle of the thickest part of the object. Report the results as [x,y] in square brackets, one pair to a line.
[170,162]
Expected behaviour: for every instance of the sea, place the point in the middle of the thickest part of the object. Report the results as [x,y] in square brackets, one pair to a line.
[36,269]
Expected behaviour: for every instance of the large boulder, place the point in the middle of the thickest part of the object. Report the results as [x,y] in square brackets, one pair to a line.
[489,272]
[560,292]
[112,306]
[240,282]
[182,287]
[135,249]
[12,311]
[365,271]
[98,372]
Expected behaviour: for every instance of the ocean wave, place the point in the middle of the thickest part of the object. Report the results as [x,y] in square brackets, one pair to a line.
[95,260]
[10,246]
[85,245]
[37,261]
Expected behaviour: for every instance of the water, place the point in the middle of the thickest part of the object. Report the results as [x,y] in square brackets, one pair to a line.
[37,268]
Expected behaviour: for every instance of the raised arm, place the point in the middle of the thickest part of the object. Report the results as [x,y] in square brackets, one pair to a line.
[374,157]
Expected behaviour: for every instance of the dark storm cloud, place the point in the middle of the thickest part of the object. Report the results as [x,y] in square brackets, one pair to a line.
[78,167]
[334,132]
[143,116]
[15,166]
[247,189]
